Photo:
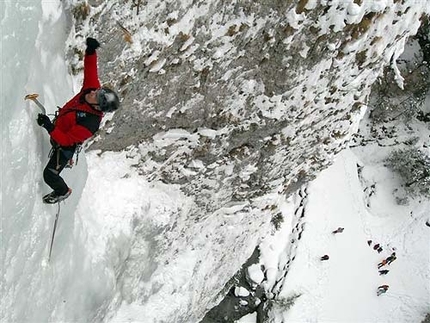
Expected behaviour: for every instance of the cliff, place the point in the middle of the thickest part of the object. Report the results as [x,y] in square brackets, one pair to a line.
[236,104]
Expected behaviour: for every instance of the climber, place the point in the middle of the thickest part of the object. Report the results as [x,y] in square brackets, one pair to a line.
[391,258]
[382,263]
[338,230]
[382,289]
[76,121]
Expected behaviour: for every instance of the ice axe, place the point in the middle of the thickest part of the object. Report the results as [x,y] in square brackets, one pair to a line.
[33,97]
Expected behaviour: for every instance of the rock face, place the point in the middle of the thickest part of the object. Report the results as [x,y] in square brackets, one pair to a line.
[238,103]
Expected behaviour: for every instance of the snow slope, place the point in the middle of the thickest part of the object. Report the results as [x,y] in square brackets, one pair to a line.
[343,288]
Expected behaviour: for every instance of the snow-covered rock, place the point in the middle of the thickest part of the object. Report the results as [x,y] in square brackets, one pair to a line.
[240,291]
[247,71]
[255,274]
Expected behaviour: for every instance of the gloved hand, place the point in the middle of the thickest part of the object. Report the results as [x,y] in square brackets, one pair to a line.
[44,121]
[92,45]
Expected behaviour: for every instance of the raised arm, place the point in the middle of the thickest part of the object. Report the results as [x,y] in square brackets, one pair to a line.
[91,78]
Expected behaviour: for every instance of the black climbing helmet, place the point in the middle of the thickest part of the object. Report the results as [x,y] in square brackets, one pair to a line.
[108,100]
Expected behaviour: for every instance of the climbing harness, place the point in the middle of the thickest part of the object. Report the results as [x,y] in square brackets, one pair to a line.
[58,150]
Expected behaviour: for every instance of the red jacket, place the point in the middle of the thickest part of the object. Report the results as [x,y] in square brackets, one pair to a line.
[77,120]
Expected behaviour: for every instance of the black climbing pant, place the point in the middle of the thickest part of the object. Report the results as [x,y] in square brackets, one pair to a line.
[51,174]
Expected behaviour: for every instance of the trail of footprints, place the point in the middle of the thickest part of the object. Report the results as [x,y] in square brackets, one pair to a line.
[290,250]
